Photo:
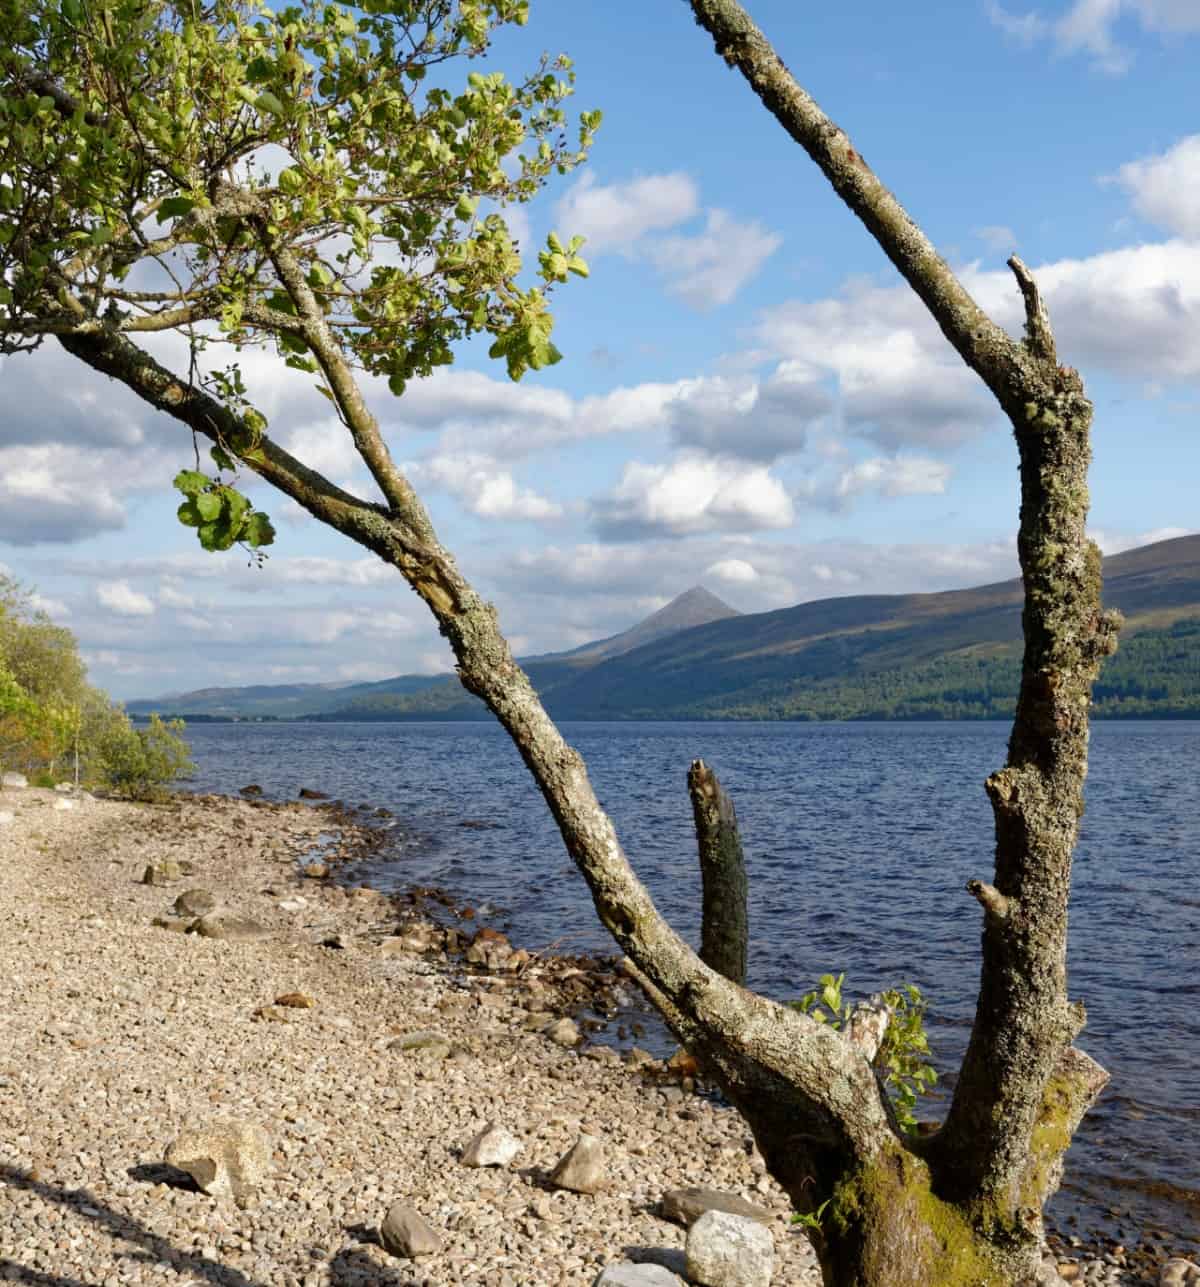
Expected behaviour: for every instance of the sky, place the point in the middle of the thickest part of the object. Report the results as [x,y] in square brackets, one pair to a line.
[750,398]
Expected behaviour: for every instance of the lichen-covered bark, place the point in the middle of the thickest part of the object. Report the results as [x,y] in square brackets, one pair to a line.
[724,925]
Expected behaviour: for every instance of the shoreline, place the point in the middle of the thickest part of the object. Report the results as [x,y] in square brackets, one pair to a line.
[122,1035]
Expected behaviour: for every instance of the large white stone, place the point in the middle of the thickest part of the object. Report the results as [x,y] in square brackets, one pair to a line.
[493,1146]
[624,1273]
[14,780]
[726,1250]
[6,816]
[228,1160]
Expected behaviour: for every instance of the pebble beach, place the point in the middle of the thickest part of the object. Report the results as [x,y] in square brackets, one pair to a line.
[345,1029]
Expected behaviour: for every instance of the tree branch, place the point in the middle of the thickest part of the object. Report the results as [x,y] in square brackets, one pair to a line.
[724,931]
[985,347]
[1039,338]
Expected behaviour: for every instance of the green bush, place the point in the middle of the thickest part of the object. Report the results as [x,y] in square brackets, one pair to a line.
[136,763]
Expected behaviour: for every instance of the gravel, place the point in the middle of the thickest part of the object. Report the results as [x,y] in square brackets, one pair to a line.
[119,1035]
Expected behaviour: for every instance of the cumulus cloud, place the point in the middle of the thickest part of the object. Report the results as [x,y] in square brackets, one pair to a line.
[485,488]
[121,598]
[735,571]
[54,493]
[998,237]
[708,268]
[895,476]
[1166,188]
[614,216]
[705,269]
[1087,26]
[691,494]
[900,383]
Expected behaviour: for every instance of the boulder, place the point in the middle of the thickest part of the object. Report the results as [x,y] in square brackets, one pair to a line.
[62,804]
[231,928]
[726,1250]
[493,1146]
[490,949]
[227,1159]
[6,816]
[582,1168]
[1178,1272]
[194,902]
[14,780]
[686,1206]
[307,793]
[316,870]
[625,1273]
[251,791]
[563,1032]
[406,1233]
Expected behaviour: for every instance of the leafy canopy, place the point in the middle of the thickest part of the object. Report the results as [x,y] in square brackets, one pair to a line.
[245,174]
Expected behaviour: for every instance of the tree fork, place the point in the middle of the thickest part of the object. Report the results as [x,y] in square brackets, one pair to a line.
[724,931]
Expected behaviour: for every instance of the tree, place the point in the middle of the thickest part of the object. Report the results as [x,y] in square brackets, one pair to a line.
[131,205]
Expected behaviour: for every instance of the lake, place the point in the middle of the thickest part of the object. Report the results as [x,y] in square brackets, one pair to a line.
[859,841]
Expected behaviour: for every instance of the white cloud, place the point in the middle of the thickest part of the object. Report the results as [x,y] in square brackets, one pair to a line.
[171,596]
[705,269]
[1088,26]
[692,494]
[736,571]
[900,383]
[895,476]
[614,216]
[53,608]
[708,269]
[998,237]
[1166,188]
[55,493]
[485,488]
[122,599]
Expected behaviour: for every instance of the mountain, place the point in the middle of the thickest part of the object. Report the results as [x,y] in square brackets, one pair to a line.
[694,607]
[954,654]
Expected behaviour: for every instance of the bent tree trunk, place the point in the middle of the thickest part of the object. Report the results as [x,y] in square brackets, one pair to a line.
[964,1205]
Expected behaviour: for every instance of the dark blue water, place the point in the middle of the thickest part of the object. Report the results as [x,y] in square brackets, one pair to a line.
[859,840]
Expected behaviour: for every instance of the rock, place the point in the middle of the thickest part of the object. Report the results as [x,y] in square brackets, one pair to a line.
[64,788]
[194,902]
[272,1014]
[165,872]
[1178,1272]
[686,1206]
[177,924]
[17,781]
[227,1160]
[296,1001]
[432,1045]
[581,1169]
[63,805]
[232,928]
[489,948]
[250,791]
[296,904]
[316,870]
[405,1232]
[638,1057]
[563,1032]
[726,1250]
[6,817]
[307,793]
[493,1146]
[624,1273]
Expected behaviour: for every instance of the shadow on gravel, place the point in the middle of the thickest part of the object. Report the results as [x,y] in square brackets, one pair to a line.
[352,1268]
[150,1247]
[161,1173]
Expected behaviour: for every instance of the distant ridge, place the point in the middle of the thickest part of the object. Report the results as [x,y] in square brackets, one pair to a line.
[694,607]
[949,655]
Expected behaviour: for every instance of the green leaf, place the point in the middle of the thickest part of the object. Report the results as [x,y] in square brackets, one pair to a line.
[208,506]
[397,384]
[222,459]
[188,514]
[102,235]
[191,482]
[257,531]
[173,207]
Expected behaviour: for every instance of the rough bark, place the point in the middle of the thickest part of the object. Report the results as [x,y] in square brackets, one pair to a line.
[724,927]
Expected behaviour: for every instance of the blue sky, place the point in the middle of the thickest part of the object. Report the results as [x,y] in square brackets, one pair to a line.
[750,398]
